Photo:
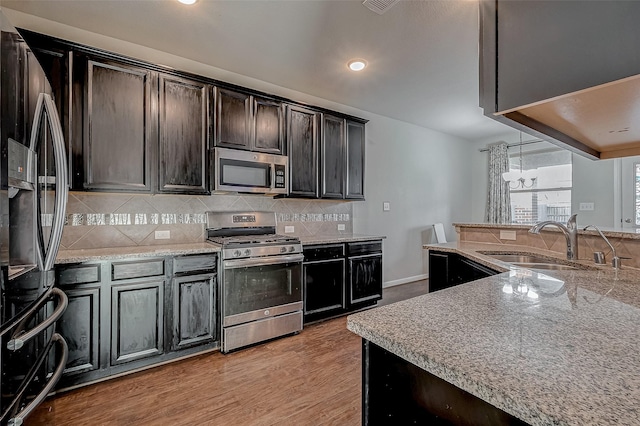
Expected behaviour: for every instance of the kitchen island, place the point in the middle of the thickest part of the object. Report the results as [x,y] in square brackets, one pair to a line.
[560,347]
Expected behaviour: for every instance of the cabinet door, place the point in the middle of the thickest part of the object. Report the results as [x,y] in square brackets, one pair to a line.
[332,157]
[546,49]
[184,135]
[80,327]
[365,278]
[137,320]
[324,287]
[267,126]
[355,160]
[118,128]
[194,310]
[438,271]
[302,149]
[467,270]
[233,118]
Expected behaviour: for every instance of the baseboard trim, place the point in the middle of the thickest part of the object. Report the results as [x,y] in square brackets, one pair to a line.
[405,280]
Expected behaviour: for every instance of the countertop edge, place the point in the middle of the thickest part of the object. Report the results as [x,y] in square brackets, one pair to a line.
[115,253]
[458,379]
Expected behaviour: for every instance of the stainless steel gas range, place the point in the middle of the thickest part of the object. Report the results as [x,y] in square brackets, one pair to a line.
[261,278]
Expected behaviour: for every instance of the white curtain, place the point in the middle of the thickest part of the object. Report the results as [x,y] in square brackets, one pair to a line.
[498,197]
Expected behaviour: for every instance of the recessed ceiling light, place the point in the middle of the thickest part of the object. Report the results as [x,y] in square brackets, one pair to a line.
[187,1]
[357,64]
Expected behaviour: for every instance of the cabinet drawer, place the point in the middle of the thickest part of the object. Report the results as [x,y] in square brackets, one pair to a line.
[137,269]
[195,263]
[367,247]
[323,252]
[78,274]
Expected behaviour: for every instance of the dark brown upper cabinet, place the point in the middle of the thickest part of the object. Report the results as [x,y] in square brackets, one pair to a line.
[233,119]
[342,158]
[248,122]
[267,125]
[184,135]
[302,146]
[355,160]
[332,157]
[115,123]
[564,71]
[137,126]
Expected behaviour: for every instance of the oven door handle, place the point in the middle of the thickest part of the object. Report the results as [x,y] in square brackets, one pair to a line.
[262,261]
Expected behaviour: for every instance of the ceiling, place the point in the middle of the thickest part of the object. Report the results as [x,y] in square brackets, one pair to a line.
[422,55]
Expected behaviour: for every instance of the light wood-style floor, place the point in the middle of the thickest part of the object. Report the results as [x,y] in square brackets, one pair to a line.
[313,378]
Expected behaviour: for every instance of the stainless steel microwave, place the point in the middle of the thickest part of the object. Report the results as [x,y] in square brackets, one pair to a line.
[255,172]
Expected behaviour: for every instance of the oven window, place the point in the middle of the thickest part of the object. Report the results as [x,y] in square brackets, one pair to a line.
[261,287]
[244,173]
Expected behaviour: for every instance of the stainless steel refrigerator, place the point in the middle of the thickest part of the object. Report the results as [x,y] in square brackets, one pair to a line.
[33,196]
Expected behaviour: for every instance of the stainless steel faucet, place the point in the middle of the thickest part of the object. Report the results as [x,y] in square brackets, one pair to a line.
[616,262]
[570,231]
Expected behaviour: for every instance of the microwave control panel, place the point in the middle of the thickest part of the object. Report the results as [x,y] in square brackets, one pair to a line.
[280,176]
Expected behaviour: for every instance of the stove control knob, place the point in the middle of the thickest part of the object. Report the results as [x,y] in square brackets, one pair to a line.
[237,253]
[291,249]
[283,250]
[247,252]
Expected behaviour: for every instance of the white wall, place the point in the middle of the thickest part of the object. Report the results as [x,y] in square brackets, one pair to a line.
[425,175]
[593,181]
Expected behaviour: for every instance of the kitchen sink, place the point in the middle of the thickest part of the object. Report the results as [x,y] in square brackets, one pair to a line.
[534,262]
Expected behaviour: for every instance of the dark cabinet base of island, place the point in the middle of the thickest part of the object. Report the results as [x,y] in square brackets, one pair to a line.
[397,392]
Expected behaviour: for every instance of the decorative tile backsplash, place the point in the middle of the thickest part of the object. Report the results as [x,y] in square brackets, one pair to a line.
[553,240]
[96,220]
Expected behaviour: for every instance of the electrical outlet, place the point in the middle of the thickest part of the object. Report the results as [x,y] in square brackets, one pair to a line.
[289,229]
[508,235]
[386,206]
[163,235]
[341,227]
[587,207]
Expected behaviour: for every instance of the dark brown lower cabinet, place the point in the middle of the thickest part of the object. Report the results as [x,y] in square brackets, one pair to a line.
[397,392]
[341,278]
[450,269]
[80,326]
[324,281]
[194,310]
[137,320]
[133,313]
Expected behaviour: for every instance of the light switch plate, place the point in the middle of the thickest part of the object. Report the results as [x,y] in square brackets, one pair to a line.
[289,229]
[508,235]
[386,206]
[587,207]
[163,235]
[341,227]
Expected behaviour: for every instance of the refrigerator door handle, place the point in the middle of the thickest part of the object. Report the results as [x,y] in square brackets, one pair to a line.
[33,146]
[62,187]
[47,255]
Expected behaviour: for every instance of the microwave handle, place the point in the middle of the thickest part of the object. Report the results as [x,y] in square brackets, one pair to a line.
[272,176]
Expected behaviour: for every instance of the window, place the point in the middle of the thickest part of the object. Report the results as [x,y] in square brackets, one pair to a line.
[548,196]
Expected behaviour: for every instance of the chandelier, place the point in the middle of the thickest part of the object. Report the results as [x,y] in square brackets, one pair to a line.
[522,178]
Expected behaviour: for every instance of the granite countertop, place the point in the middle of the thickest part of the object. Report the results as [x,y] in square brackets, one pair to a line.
[343,238]
[86,255]
[631,234]
[558,348]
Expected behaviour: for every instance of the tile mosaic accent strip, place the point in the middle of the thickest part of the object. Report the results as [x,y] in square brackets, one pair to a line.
[314,217]
[119,219]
